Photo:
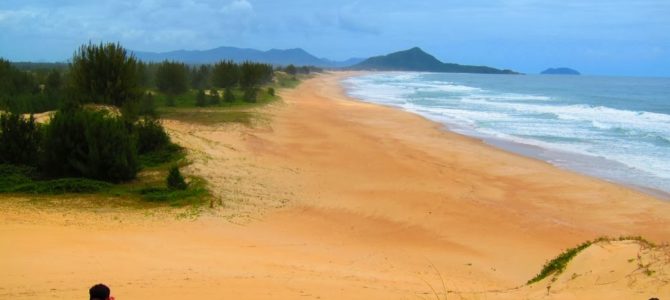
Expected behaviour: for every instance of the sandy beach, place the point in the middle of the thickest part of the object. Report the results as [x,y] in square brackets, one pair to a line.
[331,198]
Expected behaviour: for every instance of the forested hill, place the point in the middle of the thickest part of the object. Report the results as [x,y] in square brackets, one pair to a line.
[416,59]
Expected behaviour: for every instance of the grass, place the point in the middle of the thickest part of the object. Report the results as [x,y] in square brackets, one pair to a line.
[557,265]
[204,116]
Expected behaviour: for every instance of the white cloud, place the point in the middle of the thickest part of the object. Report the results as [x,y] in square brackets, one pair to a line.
[239,8]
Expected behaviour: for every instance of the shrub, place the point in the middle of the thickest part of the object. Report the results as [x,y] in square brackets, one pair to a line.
[228,95]
[291,70]
[19,139]
[170,101]
[104,73]
[174,180]
[250,94]
[147,105]
[271,91]
[82,143]
[151,136]
[214,98]
[201,99]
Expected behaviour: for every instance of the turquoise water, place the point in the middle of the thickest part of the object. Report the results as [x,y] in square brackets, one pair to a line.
[615,128]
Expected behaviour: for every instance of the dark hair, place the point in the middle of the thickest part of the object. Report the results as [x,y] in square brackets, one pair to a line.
[99,292]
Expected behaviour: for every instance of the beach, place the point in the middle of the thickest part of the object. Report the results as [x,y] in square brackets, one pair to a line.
[333,198]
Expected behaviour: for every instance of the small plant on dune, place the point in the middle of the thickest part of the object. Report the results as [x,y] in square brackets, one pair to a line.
[175,180]
[558,264]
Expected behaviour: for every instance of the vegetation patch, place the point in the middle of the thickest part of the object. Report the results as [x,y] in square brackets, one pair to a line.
[557,265]
[105,137]
[210,117]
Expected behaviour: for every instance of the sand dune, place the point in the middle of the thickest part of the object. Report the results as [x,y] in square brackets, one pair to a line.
[330,198]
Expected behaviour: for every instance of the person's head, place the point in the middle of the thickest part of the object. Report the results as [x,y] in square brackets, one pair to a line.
[99,292]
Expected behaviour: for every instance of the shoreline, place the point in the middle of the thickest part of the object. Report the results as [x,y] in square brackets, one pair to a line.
[582,164]
[333,198]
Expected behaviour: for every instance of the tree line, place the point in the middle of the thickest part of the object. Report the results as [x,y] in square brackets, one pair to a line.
[107,144]
[38,87]
[78,141]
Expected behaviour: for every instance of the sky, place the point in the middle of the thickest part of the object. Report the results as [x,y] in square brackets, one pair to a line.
[609,37]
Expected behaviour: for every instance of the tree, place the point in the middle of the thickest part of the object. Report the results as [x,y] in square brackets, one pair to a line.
[19,139]
[225,74]
[143,75]
[147,105]
[53,83]
[214,98]
[201,99]
[254,74]
[199,77]
[91,144]
[228,95]
[172,78]
[104,73]
[291,70]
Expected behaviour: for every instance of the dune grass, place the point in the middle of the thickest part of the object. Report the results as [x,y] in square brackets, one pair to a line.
[557,265]
[209,116]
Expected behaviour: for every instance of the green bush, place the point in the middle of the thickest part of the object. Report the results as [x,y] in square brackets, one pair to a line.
[228,95]
[250,94]
[174,180]
[82,143]
[23,179]
[201,99]
[147,105]
[271,91]
[19,139]
[151,136]
[63,186]
[170,101]
[214,98]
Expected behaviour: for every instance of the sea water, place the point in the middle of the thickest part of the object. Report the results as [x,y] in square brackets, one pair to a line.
[615,128]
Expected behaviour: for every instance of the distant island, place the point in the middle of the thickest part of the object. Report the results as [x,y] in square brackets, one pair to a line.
[296,56]
[560,71]
[416,59]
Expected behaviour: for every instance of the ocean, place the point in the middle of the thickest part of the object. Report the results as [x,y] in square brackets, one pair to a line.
[614,128]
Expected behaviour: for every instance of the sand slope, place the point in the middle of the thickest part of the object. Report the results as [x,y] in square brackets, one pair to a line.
[329,198]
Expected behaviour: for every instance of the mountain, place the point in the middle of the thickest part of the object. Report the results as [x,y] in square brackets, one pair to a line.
[416,59]
[560,71]
[295,56]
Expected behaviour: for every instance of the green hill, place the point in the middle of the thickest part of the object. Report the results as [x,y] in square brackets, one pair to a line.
[416,59]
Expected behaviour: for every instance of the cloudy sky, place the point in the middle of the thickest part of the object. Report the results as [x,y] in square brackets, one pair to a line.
[610,37]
